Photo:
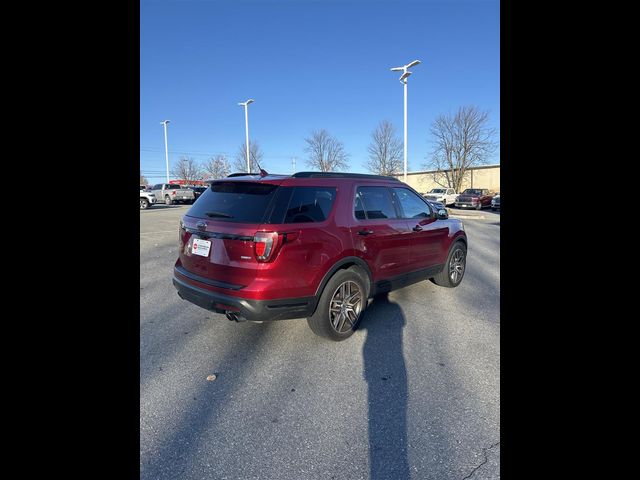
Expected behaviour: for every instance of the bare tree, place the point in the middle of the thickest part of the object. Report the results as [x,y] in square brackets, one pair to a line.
[326,153]
[385,150]
[462,141]
[143,180]
[216,167]
[255,154]
[187,169]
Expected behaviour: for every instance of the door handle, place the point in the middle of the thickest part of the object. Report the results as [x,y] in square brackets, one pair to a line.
[417,228]
[365,232]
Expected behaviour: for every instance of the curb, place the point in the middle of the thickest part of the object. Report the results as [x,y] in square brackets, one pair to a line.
[472,217]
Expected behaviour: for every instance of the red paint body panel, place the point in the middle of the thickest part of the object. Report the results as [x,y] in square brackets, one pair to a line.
[306,252]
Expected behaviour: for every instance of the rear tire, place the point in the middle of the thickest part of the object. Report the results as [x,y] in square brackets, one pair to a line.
[454,268]
[144,204]
[167,200]
[330,319]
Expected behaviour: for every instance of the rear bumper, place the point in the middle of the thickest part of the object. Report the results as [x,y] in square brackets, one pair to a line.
[254,310]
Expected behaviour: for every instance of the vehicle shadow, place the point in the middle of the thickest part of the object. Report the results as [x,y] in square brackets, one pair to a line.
[386,376]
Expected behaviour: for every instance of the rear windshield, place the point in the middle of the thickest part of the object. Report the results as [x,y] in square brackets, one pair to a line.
[437,190]
[471,191]
[240,202]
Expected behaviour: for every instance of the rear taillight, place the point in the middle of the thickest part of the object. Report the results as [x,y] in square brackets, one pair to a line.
[173,193]
[475,199]
[265,245]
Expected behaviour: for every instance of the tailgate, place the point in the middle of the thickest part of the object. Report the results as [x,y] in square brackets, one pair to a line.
[228,215]
[230,262]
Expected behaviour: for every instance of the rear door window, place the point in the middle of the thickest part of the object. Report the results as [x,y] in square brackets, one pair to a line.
[240,202]
[377,203]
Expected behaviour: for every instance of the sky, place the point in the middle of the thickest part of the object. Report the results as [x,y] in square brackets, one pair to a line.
[308,64]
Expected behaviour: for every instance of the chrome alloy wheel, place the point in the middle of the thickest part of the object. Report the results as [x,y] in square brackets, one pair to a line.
[345,306]
[456,266]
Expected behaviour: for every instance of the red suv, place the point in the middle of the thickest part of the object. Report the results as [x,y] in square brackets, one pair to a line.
[315,245]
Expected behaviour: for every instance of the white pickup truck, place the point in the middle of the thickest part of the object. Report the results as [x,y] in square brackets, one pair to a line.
[170,193]
[446,196]
[146,198]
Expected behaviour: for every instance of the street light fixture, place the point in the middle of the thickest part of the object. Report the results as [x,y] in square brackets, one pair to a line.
[403,79]
[166,148]
[246,126]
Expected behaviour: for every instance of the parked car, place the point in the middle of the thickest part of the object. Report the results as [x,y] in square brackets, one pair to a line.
[197,191]
[437,206]
[477,198]
[170,194]
[446,196]
[314,245]
[143,187]
[495,202]
[146,199]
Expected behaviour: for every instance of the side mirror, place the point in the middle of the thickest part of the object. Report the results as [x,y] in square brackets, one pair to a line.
[442,214]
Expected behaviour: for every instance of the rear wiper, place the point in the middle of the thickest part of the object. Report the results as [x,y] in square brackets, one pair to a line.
[218,214]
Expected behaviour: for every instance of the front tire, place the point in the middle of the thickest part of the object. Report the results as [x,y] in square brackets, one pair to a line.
[144,204]
[454,268]
[341,304]
[167,200]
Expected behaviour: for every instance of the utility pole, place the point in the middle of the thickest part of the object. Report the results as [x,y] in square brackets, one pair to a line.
[246,128]
[166,148]
[403,79]
[293,164]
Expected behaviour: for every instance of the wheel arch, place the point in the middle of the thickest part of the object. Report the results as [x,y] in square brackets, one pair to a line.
[341,264]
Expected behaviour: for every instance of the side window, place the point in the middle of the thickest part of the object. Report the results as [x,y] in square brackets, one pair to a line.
[310,204]
[156,187]
[377,203]
[412,205]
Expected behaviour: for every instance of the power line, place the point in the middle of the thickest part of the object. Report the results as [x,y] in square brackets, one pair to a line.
[207,154]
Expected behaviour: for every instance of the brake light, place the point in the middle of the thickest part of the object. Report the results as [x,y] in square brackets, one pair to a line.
[173,193]
[265,244]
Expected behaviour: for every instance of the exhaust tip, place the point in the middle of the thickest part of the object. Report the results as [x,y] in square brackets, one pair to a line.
[234,316]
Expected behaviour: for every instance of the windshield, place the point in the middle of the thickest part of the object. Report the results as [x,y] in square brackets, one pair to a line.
[437,190]
[472,191]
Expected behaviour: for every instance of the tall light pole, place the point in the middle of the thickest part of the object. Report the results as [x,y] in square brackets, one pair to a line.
[403,79]
[166,148]
[246,127]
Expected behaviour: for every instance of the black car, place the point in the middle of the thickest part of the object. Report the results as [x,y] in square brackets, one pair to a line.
[495,202]
[197,191]
[437,205]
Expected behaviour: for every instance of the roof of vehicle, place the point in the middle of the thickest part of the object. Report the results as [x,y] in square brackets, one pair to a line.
[278,178]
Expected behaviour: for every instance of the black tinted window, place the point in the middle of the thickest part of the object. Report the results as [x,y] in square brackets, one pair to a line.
[234,202]
[412,205]
[377,202]
[310,204]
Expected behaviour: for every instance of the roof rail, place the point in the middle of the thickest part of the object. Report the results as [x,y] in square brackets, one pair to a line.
[242,174]
[340,175]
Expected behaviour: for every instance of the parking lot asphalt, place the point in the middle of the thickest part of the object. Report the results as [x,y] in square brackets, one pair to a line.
[414,393]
